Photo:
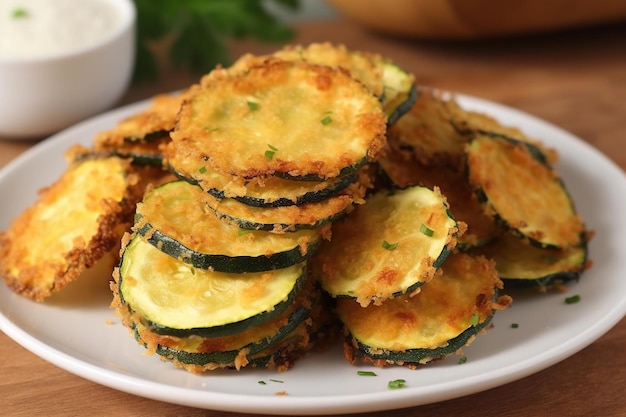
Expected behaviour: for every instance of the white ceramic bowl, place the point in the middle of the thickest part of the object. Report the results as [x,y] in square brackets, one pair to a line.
[41,95]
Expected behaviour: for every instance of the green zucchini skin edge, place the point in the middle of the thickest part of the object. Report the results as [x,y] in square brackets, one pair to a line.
[227,357]
[148,137]
[546,281]
[154,160]
[225,263]
[436,264]
[230,328]
[549,279]
[539,156]
[403,107]
[421,354]
[252,225]
[350,169]
[308,197]
[483,199]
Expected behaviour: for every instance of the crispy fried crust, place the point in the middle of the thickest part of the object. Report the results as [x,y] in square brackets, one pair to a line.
[148,125]
[72,225]
[278,356]
[314,119]
[426,130]
[404,170]
[523,193]
[361,65]
[418,328]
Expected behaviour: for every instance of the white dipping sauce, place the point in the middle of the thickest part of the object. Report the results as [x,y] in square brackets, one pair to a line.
[37,28]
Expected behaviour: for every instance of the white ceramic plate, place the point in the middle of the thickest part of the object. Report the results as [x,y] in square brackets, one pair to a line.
[76,330]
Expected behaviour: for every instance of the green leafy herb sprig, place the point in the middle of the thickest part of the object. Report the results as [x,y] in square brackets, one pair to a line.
[198,29]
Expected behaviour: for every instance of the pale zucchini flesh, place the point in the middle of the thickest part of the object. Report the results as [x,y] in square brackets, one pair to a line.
[197,350]
[175,295]
[388,246]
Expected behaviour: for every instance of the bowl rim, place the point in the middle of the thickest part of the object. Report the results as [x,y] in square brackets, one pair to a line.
[128,12]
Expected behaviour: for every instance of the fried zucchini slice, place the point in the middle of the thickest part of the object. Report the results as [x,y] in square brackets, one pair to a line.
[176,297]
[223,350]
[403,170]
[400,90]
[175,219]
[149,125]
[72,225]
[287,218]
[361,66]
[472,123]
[426,130]
[270,191]
[394,86]
[391,245]
[289,117]
[415,329]
[522,192]
[521,264]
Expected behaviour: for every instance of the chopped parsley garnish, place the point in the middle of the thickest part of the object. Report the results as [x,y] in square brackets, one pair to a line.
[396,384]
[366,373]
[474,319]
[262,383]
[326,120]
[202,170]
[277,380]
[270,153]
[573,299]
[514,325]
[19,13]
[389,246]
[462,359]
[252,105]
[426,230]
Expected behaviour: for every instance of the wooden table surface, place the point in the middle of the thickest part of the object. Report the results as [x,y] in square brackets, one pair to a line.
[576,80]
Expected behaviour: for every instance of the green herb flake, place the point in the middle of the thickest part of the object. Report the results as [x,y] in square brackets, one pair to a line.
[389,246]
[19,13]
[269,154]
[426,230]
[277,380]
[396,384]
[366,373]
[474,319]
[462,360]
[202,170]
[326,120]
[252,105]
[262,383]
[514,325]
[573,299]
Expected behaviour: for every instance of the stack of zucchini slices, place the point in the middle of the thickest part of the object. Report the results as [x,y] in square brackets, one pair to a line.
[268,154]
[402,293]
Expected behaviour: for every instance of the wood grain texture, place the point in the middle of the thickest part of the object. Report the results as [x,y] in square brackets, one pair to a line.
[576,80]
